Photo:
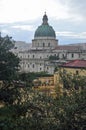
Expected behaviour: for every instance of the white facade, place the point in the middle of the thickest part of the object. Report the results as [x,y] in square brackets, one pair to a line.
[35,61]
[38,60]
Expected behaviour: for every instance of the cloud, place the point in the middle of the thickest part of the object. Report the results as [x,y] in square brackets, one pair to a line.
[81,35]
[5,31]
[24,27]
[78,6]
[22,10]
[76,9]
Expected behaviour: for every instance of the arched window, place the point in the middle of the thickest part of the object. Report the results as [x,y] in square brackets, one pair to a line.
[43,44]
[79,55]
[63,56]
[33,65]
[38,44]
[48,44]
[33,56]
[72,55]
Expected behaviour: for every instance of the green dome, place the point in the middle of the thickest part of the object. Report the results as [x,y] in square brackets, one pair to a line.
[45,30]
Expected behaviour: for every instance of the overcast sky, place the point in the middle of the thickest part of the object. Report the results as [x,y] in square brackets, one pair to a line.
[20,19]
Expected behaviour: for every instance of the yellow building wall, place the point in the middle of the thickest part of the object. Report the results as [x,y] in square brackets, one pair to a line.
[81,72]
[54,84]
[71,71]
[46,85]
[46,80]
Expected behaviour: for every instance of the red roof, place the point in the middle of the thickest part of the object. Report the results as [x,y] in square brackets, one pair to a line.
[65,47]
[76,64]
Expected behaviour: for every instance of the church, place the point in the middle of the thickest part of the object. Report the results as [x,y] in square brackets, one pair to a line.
[45,54]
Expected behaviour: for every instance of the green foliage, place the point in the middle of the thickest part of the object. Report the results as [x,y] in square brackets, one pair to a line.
[6,44]
[72,81]
[53,57]
[9,93]
[9,63]
[39,111]
[70,111]
[29,77]
[56,69]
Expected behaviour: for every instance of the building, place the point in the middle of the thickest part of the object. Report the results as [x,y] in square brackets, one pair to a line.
[37,57]
[74,70]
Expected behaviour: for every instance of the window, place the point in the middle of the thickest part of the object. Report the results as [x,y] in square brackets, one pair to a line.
[33,56]
[63,56]
[48,44]
[40,64]
[38,44]
[28,65]
[40,68]
[79,55]
[43,44]
[33,65]
[72,55]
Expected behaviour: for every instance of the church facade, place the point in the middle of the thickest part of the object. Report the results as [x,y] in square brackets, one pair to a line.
[45,53]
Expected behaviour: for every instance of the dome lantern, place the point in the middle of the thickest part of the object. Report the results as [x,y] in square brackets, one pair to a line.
[45,19]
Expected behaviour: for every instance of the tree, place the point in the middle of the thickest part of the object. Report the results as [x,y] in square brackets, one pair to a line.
[40,111]
[9,63]
[53,57]
[69,111]
[29,77]
[26,108]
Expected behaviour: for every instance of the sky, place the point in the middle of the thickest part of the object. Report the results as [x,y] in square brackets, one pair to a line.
[20,19]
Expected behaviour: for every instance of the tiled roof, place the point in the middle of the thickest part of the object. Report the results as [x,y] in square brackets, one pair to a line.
[76,64]
[64,47]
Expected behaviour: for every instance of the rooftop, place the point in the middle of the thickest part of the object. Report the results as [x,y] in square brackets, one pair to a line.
[75,64]
[67,47]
